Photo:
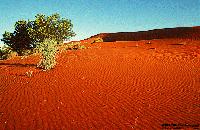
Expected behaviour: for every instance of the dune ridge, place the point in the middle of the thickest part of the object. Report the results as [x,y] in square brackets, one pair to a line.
[166,33]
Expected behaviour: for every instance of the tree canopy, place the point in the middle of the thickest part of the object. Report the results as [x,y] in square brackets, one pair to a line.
[28,33]
[19,39]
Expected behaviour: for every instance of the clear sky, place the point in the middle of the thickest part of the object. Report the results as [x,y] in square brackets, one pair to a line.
[91,17]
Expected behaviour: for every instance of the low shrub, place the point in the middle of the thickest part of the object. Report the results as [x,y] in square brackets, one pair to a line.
[95,40]
[74,46]
[7,53]
[29,73]
[98,39]
[48,51]
[12,55]
[82,47]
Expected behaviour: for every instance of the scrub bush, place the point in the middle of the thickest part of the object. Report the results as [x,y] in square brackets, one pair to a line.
[95,40]
[7,53]
[48,50]
[75,46]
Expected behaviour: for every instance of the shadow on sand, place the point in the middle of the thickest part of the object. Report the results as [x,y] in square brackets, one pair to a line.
[18,65]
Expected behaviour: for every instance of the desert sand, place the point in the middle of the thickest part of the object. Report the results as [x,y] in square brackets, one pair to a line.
[111,85]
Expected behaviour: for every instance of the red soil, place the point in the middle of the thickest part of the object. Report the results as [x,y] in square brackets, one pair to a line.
[116,85]
[166,33]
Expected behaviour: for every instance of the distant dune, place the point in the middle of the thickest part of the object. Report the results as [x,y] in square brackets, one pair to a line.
[179,32]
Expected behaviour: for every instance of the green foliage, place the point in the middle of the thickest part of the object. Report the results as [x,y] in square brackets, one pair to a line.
[82,47]
[28,33]
[19,40]
[7,53]
[52,27]
[48,50]
[74,46]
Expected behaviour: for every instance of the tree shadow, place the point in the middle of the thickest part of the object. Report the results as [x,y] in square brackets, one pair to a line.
[179,44]
[18,65]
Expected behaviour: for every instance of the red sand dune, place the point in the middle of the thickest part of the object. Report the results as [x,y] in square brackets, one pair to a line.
[113,85]
[179,32]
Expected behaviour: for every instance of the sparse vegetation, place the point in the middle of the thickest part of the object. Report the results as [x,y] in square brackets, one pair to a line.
[82,47]
[40,35]
[29,73]
[95,40]
[7,53]
[28,33]
[98,39]
[74,46]
[48,50]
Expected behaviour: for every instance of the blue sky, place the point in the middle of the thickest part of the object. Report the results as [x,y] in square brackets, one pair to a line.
[91,17]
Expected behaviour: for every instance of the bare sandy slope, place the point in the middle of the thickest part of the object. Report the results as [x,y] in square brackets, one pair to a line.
[165,33]
[116,85]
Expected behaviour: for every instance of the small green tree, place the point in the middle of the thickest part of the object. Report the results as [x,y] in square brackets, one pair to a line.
[48,53]
[6,53]
[19,40]
[28,33]
[52,27]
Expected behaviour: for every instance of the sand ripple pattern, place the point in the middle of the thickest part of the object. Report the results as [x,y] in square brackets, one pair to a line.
[106,87]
